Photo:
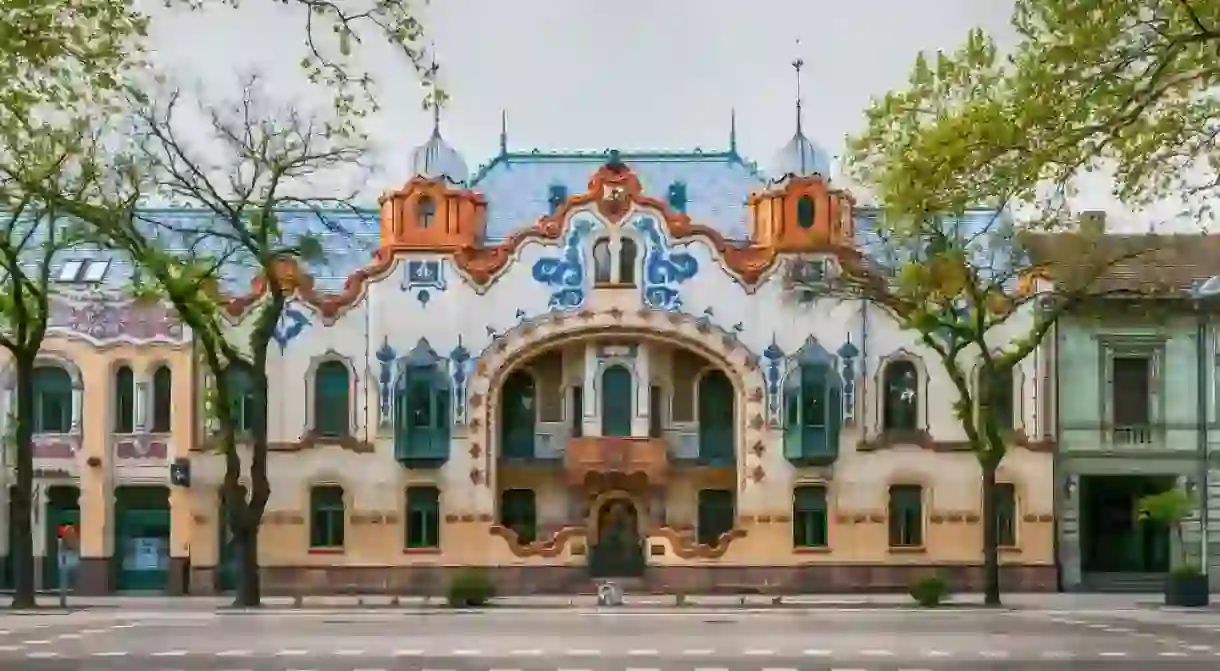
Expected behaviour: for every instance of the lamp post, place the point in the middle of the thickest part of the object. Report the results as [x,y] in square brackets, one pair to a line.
[1203,294]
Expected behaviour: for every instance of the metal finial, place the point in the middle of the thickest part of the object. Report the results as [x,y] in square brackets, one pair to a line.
[797,65]
[503,131]
[433,69]
[733,130]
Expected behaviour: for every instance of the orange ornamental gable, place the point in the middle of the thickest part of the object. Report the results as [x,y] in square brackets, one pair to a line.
[803,214]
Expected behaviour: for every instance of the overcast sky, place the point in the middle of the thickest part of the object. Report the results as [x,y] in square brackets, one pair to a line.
[627,74]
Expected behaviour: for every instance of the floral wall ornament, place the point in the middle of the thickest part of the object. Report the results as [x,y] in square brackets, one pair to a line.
[565,274]
[385,357]
[459,362]
[664,268]
[423,277]
[848,353]
[774,356]
[292,323]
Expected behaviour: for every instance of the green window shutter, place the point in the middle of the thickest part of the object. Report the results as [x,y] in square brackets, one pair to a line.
[814,412]
[906,516]
[519,512]
[52,400]
[617,401]
[326,517]
[716,515]
[423,517]
[1006,514]
[809,517]
[241,399]
[332,402]
[124,400]
[716,424]
[163,400]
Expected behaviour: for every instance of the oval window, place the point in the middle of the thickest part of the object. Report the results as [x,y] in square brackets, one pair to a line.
[804,212]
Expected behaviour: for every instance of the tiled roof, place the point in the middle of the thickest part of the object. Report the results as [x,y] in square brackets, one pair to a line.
[1169,264]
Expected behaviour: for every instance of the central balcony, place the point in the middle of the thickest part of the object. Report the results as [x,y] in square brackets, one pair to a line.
[590,460]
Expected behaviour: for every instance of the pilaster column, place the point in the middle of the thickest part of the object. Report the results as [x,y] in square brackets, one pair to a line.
[642,409]
[591,414]
[78,397]
[143,399]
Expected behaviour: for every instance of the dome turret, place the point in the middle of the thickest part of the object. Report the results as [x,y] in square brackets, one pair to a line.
[436,159]
[800,157]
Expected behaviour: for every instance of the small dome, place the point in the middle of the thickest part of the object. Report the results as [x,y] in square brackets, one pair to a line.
[435,159]
[800,157]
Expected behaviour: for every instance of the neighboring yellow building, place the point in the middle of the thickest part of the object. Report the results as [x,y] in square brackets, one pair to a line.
[562,367]
[113,408]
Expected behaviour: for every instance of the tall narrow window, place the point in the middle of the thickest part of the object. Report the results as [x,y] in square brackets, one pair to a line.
[162,400]
[576,413]
[656,400]
[1132,391]
[716,515]
[617,399]
[627,256]
[1001,398]
[809,519]
[124,400]
[242,399]
[425,210]
[518,415]
[1006,514]
[906,516]
[332,405]
[901,410]
[805,212]
[519,512]
[52,400]
[423,517]
[326,517]
[601,262]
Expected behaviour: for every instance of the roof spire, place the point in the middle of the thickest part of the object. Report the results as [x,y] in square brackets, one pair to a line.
[797,65]
[733,130]
[503,132]
[435,101]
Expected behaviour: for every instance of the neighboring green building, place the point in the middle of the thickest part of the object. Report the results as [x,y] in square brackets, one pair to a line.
[1128,393]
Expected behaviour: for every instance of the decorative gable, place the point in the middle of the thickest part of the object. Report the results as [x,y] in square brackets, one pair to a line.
[803,214]
[431,215]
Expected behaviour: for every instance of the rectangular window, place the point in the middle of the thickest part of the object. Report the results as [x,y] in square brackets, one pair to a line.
[1003,404]
[423,517]
[326,517]
[1131,390]
[519,512]
[655,403]
[906,516]
[576,413]
[809,519]
[716,515]
[1006,514]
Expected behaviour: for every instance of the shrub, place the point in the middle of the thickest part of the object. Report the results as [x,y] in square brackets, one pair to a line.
[470,588]
[1186,570]
[929,592]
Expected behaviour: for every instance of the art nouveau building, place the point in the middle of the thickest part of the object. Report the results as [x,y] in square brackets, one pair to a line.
[560,367]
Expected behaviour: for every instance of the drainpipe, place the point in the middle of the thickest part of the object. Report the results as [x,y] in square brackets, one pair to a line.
[862,390]
[1202,421]
[1056,465]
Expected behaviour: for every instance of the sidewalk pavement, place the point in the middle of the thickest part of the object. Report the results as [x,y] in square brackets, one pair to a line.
[1045,602]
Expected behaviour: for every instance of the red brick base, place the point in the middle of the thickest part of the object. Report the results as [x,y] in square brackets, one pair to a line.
[824,579]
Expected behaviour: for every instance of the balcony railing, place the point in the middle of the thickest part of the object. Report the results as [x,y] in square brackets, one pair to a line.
[1133,435]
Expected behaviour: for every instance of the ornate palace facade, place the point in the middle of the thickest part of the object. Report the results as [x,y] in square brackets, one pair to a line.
[560,367]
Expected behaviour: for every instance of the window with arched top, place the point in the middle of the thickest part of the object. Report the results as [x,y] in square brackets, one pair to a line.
[717,428]
[805,211]
[602,263]
[162,399]
[518,415]
[900,406]
[124,400]
[52,400]
[617,396]
[628,253]
[331,399]
[425,211]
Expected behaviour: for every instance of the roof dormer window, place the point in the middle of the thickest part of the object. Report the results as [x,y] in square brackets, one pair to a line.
[83,271]
[677,196]
[557,195]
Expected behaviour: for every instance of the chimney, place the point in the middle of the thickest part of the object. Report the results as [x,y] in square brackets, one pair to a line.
[1092,222]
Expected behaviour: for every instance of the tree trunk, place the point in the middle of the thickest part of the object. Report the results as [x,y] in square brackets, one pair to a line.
[991,537]
[246,544]
[21,554]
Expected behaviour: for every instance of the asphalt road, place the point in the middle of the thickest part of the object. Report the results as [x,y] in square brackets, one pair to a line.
[818,640]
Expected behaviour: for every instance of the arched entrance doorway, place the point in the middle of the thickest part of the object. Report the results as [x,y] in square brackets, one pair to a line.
[618,549]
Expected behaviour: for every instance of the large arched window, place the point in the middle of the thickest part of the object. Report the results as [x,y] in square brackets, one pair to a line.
[124,400]
[331,399]
[162,400]
[813,407]
[900,406]
[518,415]
[52,400]
[422,414]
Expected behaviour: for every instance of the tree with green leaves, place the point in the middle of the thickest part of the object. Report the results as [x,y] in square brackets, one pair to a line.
[978,137]
[257,161]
